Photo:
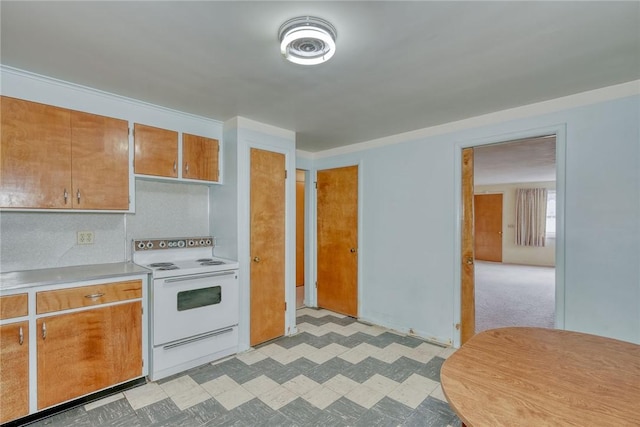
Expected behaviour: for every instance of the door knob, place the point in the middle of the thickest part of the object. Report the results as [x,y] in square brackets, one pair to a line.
[256,259]
[353,250]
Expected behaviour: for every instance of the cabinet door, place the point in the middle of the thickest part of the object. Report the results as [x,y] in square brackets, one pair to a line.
[156,151]
[82,352]
[100,162]
[200,157]
[35,155]
[14,371]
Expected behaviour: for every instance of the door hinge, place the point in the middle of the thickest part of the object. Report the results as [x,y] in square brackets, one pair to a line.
[129,131]
[316,183]
[316,283]
[285,174]
[285,306]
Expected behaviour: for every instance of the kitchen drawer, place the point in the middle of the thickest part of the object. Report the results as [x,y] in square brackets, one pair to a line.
[85,296]
[13,306]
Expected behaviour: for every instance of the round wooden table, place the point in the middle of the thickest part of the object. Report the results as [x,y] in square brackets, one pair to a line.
[543,377]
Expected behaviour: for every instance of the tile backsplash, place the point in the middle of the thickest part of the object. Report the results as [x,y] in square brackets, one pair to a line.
[31,240]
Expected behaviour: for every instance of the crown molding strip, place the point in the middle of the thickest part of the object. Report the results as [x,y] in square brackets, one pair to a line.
[4,69]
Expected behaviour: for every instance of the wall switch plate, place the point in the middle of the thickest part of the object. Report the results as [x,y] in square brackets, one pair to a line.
[85,237]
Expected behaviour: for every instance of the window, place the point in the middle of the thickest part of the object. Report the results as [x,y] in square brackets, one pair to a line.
[551,214]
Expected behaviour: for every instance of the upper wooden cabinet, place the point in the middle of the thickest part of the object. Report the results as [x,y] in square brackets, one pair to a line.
[35,155]
[99,162]
[156,151]
[55,158]
[200,157]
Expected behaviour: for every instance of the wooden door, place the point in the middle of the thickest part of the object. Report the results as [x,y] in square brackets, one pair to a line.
[156,151]
[467,292]
[300,228]
[487,219]
[338,240]
[83,352]
[267,245]
[35,155]
[100,162]
[199,157]
[14,371]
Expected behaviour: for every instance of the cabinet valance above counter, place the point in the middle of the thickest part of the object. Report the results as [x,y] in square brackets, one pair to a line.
[13,280]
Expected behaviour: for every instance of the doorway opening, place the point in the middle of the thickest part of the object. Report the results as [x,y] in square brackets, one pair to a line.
[300,240]
[514,193]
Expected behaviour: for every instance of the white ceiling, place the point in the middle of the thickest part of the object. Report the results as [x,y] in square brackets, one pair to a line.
[399,66]
[524,160]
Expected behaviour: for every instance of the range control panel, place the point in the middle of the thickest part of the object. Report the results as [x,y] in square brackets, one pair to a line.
[173,243]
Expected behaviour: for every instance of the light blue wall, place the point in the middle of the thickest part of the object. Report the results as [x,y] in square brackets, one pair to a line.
[242,135]
[409,211]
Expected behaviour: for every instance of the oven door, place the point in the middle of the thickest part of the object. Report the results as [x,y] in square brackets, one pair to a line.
[193,305]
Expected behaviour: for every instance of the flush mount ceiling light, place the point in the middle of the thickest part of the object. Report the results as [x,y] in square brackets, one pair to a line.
[307,40]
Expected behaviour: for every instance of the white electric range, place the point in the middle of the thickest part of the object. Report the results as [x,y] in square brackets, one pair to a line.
[193,301]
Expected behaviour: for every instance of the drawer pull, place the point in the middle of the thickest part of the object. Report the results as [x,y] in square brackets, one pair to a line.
[78,196]
[66,196]
[92,296]
[21,336]
[44,331]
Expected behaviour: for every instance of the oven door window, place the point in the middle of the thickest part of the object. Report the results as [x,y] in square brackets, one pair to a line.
[196,298]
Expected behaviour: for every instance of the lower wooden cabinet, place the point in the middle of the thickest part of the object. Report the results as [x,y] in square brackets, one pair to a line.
[14,371]
[82,352]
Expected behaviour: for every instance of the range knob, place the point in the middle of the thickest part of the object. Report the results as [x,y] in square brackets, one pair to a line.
[192,242]
[141,245]
[181,243]
[202,242]
[149,245]
[163,244]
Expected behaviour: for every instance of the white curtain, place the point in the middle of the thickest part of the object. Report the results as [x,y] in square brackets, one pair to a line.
[531,216]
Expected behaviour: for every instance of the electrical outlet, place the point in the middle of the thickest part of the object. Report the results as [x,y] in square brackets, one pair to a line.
[85,237]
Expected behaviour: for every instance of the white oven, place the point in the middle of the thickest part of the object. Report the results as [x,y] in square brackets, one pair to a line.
[189,308]
[193,303]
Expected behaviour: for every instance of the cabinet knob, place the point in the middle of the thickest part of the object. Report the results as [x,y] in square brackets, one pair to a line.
[66,196]
[78,196]
[175,166]
[21,336]
[186,168]
[44,331]
[256,259]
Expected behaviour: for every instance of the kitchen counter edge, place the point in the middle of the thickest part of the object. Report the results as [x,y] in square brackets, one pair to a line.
[13,280]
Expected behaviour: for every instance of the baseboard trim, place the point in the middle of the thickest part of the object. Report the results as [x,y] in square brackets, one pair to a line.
[49,412]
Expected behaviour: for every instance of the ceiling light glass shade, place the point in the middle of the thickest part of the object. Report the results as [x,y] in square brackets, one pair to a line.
[307,40]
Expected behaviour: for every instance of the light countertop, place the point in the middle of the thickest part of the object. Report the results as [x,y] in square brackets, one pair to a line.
[77,273]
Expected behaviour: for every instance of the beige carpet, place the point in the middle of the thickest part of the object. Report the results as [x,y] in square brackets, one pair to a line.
[514,295]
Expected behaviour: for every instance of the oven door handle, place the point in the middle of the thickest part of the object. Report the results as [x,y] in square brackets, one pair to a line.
[199,276]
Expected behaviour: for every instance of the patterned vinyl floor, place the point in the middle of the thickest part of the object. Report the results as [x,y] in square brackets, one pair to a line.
[334,372]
